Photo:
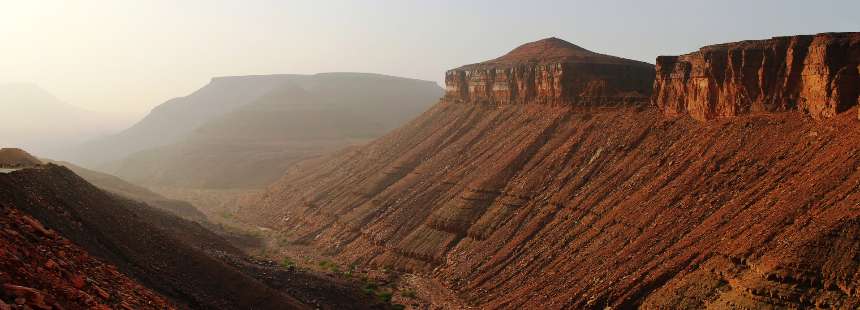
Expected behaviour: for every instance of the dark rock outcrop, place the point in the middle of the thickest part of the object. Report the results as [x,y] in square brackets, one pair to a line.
[816,74]
[552,71]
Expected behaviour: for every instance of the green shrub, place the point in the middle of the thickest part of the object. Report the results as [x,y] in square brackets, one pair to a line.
[369,289]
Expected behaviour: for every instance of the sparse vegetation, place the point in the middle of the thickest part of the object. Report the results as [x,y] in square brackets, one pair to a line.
[288,263]
[369,288]
[328,265]
[384,296]
[283,241]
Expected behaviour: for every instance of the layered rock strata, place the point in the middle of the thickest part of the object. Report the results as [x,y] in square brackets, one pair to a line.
[816,74]
[552,71]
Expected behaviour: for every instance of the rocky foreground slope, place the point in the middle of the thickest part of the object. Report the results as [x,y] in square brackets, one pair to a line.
[518,203]
[42,270]
[53,215]
[163,252]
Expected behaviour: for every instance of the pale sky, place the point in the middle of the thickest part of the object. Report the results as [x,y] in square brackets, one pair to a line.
[123,57]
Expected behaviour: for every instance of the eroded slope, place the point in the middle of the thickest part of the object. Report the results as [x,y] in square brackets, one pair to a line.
[524,205]
[536,205]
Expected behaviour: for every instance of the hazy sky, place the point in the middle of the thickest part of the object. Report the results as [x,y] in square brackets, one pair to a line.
[125,56]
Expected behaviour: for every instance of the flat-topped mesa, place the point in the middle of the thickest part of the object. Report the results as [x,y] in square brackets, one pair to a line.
[555,72]
[816,74]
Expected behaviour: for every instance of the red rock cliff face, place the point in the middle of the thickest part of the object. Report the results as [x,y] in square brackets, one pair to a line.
[552,71]
[816,74]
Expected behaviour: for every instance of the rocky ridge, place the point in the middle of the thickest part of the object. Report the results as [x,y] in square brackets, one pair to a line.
[816,74]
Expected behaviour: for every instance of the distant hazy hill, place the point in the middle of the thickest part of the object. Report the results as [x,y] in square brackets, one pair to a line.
[304,117]
[34,119]
[175,118]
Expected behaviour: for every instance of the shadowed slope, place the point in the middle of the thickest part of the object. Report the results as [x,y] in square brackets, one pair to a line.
[125,189]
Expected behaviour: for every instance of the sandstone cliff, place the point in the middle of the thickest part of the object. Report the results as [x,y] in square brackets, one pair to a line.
[816,74]
[552,71]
